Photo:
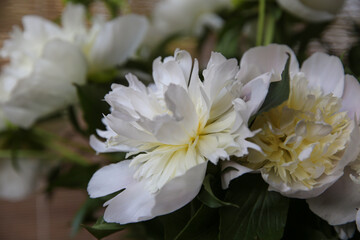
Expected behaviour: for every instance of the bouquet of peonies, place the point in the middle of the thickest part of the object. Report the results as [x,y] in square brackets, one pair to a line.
[257,137]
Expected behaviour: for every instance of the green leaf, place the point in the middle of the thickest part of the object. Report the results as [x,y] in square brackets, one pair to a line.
[91,99]
[278,91]
[262,213]
[304,224]
[354,59]
[174,222]
[76,176]
[228,43]
[103,229]
[104,76]
[85,211]
[207,196]
[202,226]
[114,6]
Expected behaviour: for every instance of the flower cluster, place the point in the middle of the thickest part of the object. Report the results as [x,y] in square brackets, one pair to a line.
[238,138]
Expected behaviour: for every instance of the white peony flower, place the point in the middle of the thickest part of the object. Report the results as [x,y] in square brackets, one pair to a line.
[172,129]
[313,10]
[46,60]
[309,139]
[186,17]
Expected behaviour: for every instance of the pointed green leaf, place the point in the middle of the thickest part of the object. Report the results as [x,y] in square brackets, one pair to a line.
[174,222]
[92,102]
[103,229]
[207,196]
[203,225]
[262,213]
[278,91]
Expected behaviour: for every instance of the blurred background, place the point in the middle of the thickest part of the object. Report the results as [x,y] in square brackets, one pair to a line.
[43,217]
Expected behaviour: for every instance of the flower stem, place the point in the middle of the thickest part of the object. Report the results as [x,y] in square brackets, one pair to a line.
[261,23]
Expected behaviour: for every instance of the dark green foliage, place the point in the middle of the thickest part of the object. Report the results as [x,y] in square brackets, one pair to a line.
[261,214]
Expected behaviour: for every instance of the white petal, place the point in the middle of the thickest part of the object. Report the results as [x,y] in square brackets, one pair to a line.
[260,60]
[299,9]
[345,231]
[73,19]
[326,72]
[254,93]
[117,40]
[351,97]
[339,203]
[110,179]
[128,130]
[36,27]
[298,190]
[137,204]
[232,170]
[218,74]
[179,191]
[180,104]
[132,205]
[168,72]
[184,60]
[101,147]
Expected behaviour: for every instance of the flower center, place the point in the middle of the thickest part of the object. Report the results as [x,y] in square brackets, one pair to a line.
[303,138]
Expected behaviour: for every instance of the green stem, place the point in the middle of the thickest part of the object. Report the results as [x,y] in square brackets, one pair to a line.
[57,144]
[269,32]
[25,154]
[261,23]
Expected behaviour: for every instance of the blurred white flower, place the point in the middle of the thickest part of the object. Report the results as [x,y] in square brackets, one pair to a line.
[308,140]
[313,10]
[184,17]
[18,183]
[172,128]
[46,60]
